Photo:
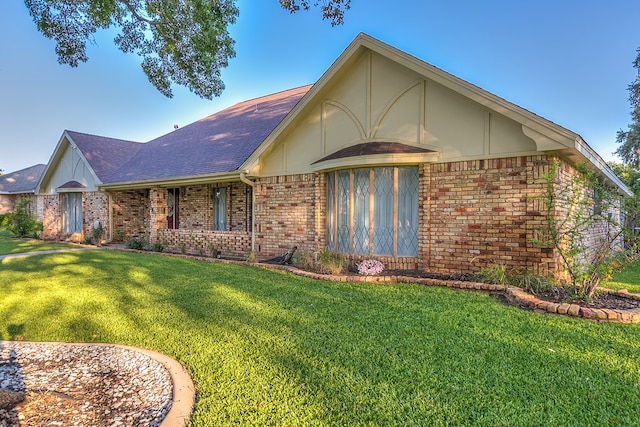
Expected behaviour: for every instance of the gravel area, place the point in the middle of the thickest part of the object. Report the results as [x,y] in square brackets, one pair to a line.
[81,385]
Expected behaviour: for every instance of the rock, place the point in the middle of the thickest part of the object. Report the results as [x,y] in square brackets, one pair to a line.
[9,398]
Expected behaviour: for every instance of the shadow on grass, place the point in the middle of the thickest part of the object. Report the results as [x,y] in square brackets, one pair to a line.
[265,345]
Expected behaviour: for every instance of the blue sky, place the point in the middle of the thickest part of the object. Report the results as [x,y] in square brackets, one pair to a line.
[569,61]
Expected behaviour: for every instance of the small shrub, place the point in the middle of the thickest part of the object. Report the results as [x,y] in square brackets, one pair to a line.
[119,236]
[155,247]
[97,232]
[212,248]
[183,248]
[330,262]
[531,282]
[498,274]
[137,244]
[495,273]
[370,267]
[88,240]
[251,256]
[304,260]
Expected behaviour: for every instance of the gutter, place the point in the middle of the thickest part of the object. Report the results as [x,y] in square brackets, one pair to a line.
[252,184]
[175,181]
[584,149]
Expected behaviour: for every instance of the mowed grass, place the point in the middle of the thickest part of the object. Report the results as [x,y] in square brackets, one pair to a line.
[13,245]
[628,278]
[269,348]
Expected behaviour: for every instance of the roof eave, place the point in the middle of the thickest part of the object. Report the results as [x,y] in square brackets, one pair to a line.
[174,181]
[601,166]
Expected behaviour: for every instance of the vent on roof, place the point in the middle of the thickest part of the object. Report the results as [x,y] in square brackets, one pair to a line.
[175,126]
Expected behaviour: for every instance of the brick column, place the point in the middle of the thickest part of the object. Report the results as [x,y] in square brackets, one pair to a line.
[157,212]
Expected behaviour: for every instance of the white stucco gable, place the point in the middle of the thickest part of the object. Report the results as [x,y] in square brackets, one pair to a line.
[67,170]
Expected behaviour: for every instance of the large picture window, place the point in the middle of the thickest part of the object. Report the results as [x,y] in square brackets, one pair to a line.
[71,213]
[373,211]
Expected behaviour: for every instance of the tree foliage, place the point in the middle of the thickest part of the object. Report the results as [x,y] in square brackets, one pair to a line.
[332,10]
[629,140]
[185,42]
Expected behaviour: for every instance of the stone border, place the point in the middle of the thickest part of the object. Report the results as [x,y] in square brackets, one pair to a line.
[183,398]
[184,392]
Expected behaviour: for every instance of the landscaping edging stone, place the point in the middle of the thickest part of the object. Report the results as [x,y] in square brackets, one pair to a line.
[514,294]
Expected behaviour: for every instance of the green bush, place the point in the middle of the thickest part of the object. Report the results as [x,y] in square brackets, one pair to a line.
[330,262]
[137,244]
[499,274]
[119,236]
[21,223]
[97,233]
[155,247]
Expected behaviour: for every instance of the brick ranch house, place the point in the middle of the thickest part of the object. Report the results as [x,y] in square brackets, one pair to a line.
[385,156]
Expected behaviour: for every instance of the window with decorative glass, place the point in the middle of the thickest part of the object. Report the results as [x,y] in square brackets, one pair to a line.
[373,211]
[71,213]
[220,209]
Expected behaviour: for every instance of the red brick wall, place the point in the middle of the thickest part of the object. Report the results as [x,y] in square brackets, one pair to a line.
[231,244]
[7,203]
[51,216]
[290,211]
[196,206]
[130,213]
[95,207]
[484,211]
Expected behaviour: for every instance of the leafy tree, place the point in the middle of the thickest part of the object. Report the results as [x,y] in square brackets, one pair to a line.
[185,42]
[630,175]
[332,10]
[629,149]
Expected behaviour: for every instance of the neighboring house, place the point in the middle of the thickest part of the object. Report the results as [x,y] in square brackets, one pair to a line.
[16,185]
[385,156]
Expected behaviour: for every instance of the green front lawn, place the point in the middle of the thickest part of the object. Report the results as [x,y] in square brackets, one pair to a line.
[628,279]
[268,348]
[13,245]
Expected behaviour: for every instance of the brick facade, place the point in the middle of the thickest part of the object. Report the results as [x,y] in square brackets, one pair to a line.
[95,207]
[484,211]
[290,211]
[51,216]
[130,214]
[7,203]
[471,214]
[230,244]
[142,214]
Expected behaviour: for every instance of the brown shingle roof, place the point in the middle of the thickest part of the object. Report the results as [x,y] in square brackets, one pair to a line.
[104,154]
[376,147]
[22,181]
[215,144]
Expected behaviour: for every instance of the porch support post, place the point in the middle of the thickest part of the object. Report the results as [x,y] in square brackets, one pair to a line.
[251,184]
[157,212]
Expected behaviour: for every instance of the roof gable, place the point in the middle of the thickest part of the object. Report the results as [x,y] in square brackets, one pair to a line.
[546,135]
[84,158]
[21,181]
[103,154]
